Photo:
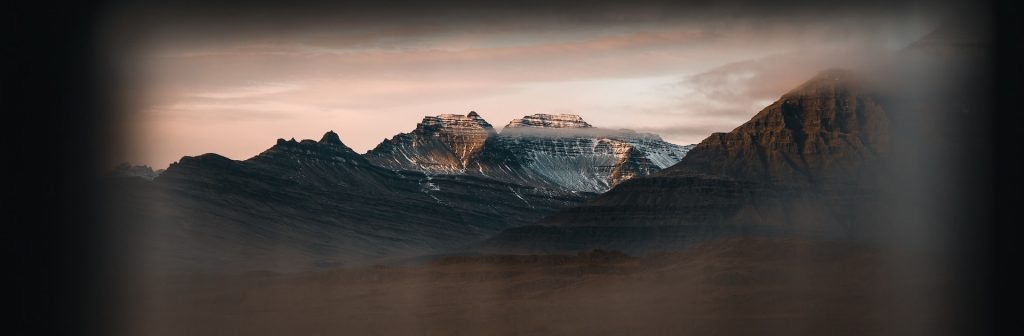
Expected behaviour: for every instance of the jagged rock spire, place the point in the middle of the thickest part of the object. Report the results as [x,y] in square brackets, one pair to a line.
[330,138]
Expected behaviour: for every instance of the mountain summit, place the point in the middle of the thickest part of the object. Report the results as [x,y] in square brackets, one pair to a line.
[824,131]
[549,121]
[440,144]
[331,138]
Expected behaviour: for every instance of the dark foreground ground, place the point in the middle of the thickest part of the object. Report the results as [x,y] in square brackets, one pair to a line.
[734,287]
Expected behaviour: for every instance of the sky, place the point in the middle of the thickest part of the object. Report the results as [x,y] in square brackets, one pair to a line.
[204,80]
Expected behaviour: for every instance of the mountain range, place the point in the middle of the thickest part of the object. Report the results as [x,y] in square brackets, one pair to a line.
[450,182]
[804,165]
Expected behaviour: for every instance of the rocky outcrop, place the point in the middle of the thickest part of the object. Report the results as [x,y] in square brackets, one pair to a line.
[561,153]
[632,163]
[441,144]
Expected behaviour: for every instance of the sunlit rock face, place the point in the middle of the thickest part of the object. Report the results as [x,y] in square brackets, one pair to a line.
[549,121]
[557,152]
[441,144]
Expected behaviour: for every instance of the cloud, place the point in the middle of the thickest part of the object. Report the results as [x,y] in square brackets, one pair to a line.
[640,53]
[250,91]
[217,111]
[725,96]
[743,88]
[687,131]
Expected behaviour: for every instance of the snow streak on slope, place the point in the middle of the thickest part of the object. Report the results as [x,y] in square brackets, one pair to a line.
[592,161]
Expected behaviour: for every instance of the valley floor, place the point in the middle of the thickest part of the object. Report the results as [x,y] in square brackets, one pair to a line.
[734,287]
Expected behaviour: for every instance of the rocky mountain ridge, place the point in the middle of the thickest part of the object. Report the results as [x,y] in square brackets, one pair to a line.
[141,171]
[549,121]
[558,152]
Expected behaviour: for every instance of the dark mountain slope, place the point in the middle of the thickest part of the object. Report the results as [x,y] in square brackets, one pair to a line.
[307,203]
[826,131]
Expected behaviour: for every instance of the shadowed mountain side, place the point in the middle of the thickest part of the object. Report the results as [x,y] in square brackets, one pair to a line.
[706,200]
[306,204]
[638,217]
[828,130]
